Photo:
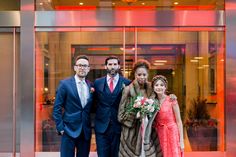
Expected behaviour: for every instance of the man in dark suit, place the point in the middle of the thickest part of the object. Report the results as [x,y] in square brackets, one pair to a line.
[108,91]
[74,97]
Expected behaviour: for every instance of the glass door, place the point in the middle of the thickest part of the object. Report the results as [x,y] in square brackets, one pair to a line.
[9,113]
[191,59]
[193,62]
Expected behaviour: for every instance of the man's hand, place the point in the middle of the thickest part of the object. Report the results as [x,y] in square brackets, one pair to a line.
[173,97]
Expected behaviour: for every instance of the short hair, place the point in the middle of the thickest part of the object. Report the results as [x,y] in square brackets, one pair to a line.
[141,63]
[159,77]
[81,57]
[112,57]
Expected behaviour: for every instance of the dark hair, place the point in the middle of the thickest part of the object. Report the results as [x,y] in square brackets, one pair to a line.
[112,57]
[81,57]
[141,63]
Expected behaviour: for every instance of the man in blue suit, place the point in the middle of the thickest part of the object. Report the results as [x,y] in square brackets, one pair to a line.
[73,96]
[108,91]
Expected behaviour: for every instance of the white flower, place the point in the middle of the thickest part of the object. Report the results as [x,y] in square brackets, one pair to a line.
[142,106]
[150,108]
[150,101]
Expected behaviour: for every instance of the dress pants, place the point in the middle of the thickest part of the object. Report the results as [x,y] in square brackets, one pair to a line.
[108,143]
[69,145]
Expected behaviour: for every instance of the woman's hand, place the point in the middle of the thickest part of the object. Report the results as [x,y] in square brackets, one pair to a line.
[138,115]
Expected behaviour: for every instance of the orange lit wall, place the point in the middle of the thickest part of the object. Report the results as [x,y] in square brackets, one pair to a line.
[39,84]
[221,93]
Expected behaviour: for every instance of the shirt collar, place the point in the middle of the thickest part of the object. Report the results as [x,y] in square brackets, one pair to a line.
[77,80]
[115,78]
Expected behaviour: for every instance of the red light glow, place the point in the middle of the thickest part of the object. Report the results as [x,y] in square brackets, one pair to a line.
[99,49]
[75,7]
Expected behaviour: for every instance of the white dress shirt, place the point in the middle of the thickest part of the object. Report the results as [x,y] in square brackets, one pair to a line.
[115,81]
[83,90]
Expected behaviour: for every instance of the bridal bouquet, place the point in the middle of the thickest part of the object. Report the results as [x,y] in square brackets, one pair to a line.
[142,106]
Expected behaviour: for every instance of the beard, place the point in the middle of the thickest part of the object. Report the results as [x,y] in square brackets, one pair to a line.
[112,72]
[82,74]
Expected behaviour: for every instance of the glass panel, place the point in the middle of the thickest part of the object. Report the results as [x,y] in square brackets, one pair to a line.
[9,142]
[193,63]
[9,5]
[55,53]
[130,4]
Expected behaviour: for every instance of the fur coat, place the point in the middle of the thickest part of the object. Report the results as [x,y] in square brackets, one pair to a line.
[131,139]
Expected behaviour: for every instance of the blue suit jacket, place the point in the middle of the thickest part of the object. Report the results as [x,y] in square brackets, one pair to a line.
[74,118]
[107,104]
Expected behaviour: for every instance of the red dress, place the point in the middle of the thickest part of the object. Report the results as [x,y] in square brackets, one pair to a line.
[167,129]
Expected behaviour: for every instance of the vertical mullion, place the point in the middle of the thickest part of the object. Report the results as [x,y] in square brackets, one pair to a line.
[14,96]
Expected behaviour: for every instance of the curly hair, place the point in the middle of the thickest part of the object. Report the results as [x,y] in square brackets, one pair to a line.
[142,63]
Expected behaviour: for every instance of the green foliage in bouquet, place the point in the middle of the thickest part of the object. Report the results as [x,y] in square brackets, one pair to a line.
[142,105]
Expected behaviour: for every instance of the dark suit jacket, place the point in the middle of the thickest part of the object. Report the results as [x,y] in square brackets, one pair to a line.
[107,103]
[74,118]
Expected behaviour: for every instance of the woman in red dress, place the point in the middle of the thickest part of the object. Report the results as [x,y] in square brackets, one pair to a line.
[168,122]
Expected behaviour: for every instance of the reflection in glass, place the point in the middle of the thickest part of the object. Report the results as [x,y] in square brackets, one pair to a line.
[124,5]
[9,5]
[193,63]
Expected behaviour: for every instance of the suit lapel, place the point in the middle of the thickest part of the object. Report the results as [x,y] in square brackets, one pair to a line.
[119,85]
[102,84]
[74,89]
[89,89]
[90,93]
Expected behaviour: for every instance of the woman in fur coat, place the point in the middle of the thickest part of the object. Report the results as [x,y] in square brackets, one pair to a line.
[132,144]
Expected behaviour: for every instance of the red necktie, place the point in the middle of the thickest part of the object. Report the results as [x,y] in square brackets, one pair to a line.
[111,84]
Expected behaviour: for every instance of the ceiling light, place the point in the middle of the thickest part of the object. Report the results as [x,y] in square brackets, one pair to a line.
[200,67]
[176,3]
[193,60]
[205,65]
[41,3]
[198,57]
[46,89]
[127,49]
[160,61]
[81,3]
[143,3]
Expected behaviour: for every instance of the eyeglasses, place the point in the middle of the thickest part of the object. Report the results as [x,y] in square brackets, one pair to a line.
[82,65]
